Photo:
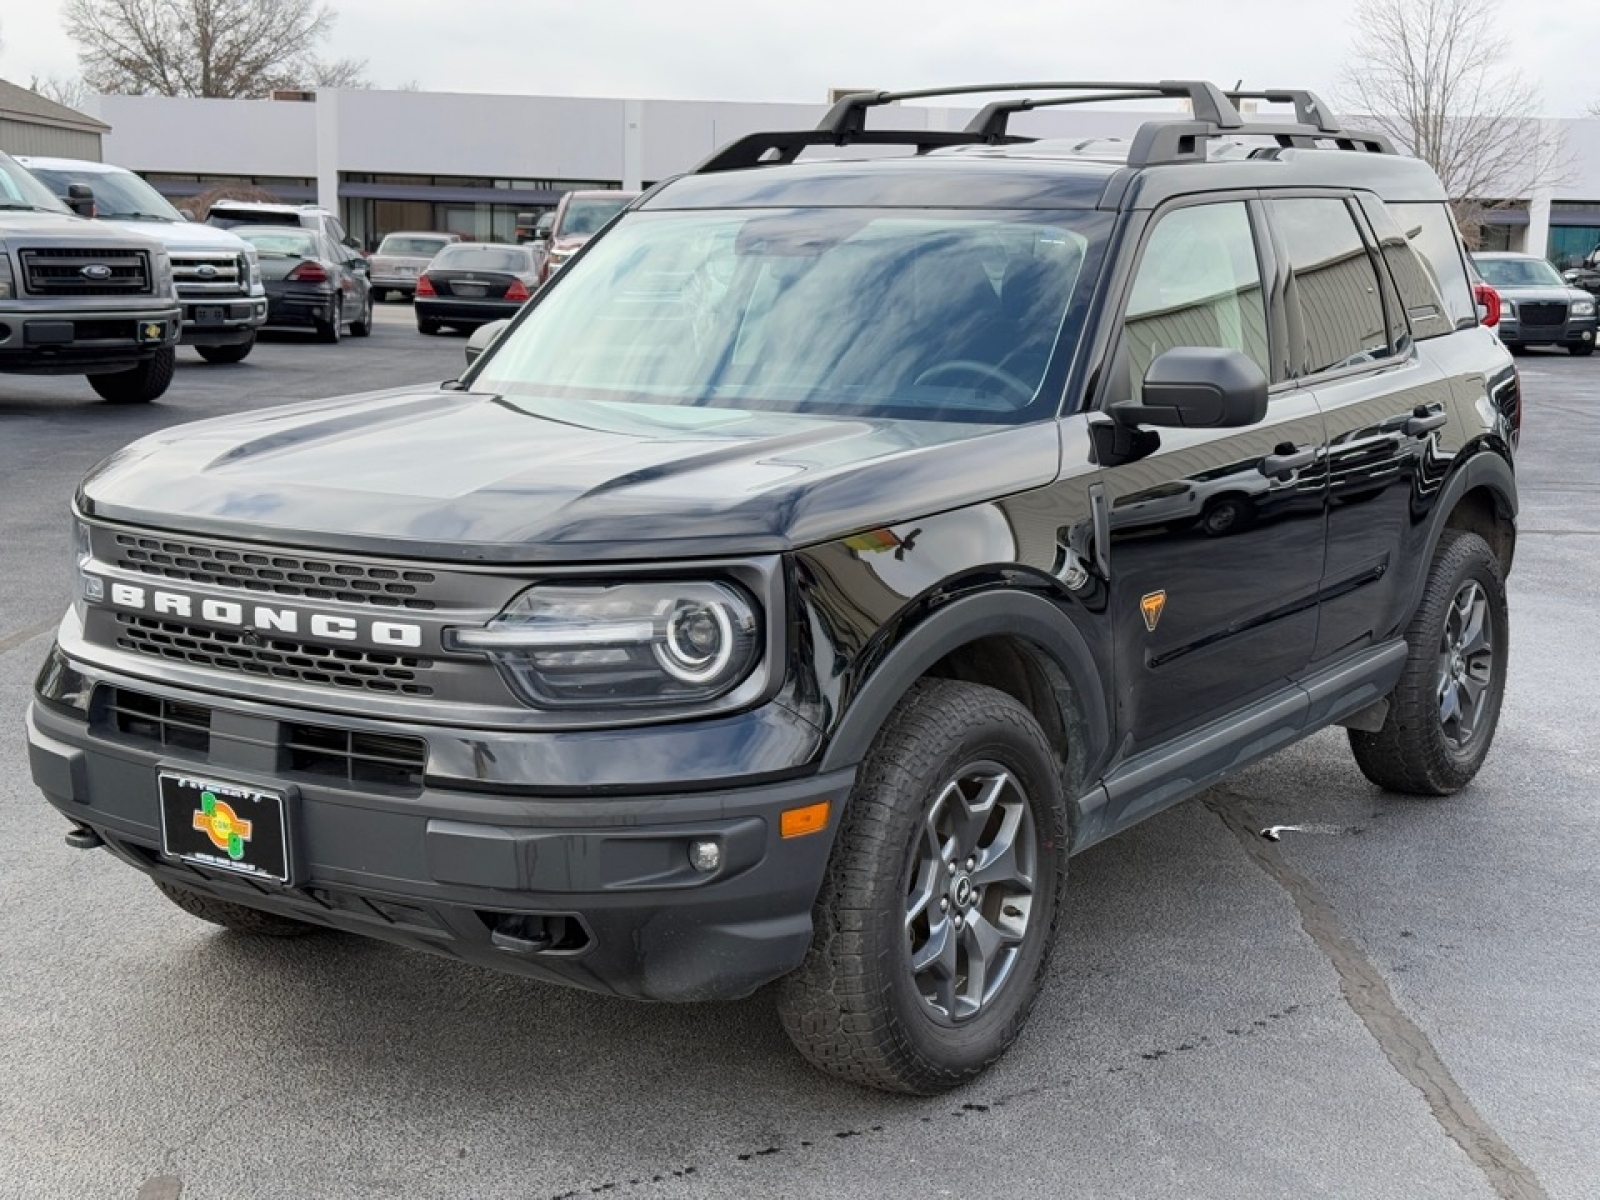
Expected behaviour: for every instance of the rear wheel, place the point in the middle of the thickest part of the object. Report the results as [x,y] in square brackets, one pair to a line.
[363,326]
[237,352]
[328,326]
[141,384]
[935,919]
[1443,712]
[428,327]
[238,917]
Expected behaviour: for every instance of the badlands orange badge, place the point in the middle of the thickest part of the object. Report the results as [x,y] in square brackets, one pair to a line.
[227,830]
[1151,607]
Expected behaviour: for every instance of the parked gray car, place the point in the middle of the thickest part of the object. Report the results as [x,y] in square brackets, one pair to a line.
[401,257]
[1538,307]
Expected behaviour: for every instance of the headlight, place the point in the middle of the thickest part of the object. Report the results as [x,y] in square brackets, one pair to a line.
[1508,308]
[252,267]
[85,587]
[6,289]
[1583,308]
[163,263]
[622,646]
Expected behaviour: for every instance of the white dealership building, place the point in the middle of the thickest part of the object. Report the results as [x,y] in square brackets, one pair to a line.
[469,163]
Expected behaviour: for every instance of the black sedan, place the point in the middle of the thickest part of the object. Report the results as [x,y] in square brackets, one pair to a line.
[312,281]
[467,285]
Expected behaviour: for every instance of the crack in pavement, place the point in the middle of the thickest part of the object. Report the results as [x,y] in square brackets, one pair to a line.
[1401,1039]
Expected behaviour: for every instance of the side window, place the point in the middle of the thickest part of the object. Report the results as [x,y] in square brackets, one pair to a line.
[1341,320]
[1198,284]
[1432,233]
[1419,292]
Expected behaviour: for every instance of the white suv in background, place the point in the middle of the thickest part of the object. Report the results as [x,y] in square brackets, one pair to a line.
[217,274]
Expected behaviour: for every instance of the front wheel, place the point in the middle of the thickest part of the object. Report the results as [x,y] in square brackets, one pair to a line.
[238,917]
[1443,712]
[141,384]
[1581,349]
[237,352]
[939,907]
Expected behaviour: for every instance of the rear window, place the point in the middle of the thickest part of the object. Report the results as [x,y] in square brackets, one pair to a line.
[252,216]
[412,247]
[1431,230]
[1414,279]
[280,243]
[483,258]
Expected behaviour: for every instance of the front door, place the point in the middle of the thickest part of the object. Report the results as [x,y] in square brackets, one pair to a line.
[1216,535]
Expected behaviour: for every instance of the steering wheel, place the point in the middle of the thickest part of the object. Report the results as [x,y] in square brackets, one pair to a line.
[954,366]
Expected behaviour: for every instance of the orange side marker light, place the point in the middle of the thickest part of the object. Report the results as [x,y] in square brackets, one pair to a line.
[797,822]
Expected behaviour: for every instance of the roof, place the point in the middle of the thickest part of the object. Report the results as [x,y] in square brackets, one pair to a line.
[20,104]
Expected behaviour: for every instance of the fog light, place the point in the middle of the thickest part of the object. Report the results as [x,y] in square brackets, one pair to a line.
[705,856]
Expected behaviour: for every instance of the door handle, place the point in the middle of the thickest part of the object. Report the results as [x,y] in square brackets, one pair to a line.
[1422,421]
[1288,458]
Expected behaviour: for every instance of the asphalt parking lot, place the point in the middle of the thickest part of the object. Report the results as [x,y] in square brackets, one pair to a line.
[1397,1000]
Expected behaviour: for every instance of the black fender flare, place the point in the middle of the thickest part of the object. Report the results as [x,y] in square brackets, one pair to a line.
[1019,614]
[1486,468]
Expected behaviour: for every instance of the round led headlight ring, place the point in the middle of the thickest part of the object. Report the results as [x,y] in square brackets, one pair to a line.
[699,643]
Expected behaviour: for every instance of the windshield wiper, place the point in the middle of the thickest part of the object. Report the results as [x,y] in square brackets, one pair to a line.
[133,216]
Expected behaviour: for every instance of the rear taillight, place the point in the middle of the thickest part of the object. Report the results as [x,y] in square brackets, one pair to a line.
[517,291]
[309,272]
[1488,304]
[425,286]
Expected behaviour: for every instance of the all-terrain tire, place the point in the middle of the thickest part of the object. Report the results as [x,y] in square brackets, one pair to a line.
[1413,753]
[141,384]
[855,1008]
[237,352]
[238,917]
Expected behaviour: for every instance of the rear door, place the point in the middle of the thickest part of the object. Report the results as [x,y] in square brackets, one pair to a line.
[1216,535]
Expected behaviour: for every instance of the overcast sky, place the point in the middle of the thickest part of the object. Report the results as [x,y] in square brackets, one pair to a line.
[761,50]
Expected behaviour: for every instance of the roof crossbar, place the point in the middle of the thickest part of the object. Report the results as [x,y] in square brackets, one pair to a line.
[1158,141]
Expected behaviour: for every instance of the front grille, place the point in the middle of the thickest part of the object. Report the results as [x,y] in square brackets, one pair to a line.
[275,657]
[275,573]
[355,756]
[208,274]
[1544,312]
[61,272]
[168,724]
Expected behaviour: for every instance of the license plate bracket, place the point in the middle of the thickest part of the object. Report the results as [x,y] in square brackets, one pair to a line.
[225,825]
[209,314]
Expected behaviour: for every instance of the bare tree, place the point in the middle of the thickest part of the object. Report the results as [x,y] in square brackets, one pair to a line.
[1431,75]
[63,89]
[238,48]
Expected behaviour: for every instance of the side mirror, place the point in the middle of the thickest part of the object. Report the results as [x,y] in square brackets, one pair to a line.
[80,199]
[360,266]
[1199,387]
[186,214]
[483,336]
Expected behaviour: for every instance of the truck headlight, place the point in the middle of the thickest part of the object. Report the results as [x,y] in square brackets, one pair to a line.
[85,587]
[620,646]
[1583,308]
[7,289]
[163,271]
[251,264]
[1508,308]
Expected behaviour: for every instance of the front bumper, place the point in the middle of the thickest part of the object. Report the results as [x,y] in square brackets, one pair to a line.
[42,339]
[222,320]
[1576,331]
[592,890]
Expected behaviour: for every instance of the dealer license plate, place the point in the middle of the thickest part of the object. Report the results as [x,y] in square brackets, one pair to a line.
[226,826]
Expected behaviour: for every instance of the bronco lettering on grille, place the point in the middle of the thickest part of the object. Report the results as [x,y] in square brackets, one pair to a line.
[236,615]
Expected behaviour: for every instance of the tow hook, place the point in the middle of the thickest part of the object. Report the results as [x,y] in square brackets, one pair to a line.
[81,837]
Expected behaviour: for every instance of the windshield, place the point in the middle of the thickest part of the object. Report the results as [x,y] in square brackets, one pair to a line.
[116,193]
[905,314]
[279,243]
[404,246]
[18,189]
[482,258]
[1518,272]
[584,218]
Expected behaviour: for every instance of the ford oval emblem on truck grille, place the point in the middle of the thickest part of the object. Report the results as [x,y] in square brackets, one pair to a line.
[96,271]
[206,271]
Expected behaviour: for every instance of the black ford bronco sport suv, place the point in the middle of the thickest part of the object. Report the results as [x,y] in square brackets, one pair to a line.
[826,555]
[78,298]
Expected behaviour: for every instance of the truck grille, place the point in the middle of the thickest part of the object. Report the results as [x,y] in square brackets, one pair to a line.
[275,657]
[209,274]
[109,272]
[168,724]
[1542,313]
[275,573]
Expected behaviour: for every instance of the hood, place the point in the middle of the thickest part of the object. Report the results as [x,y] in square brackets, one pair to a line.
[182,235]
[1542,291]
[452,475]
[52,225]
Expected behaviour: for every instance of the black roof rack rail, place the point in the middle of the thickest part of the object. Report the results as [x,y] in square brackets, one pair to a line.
[1157,141]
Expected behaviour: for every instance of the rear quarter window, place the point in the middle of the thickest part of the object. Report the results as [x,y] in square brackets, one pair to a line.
[1430,230]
